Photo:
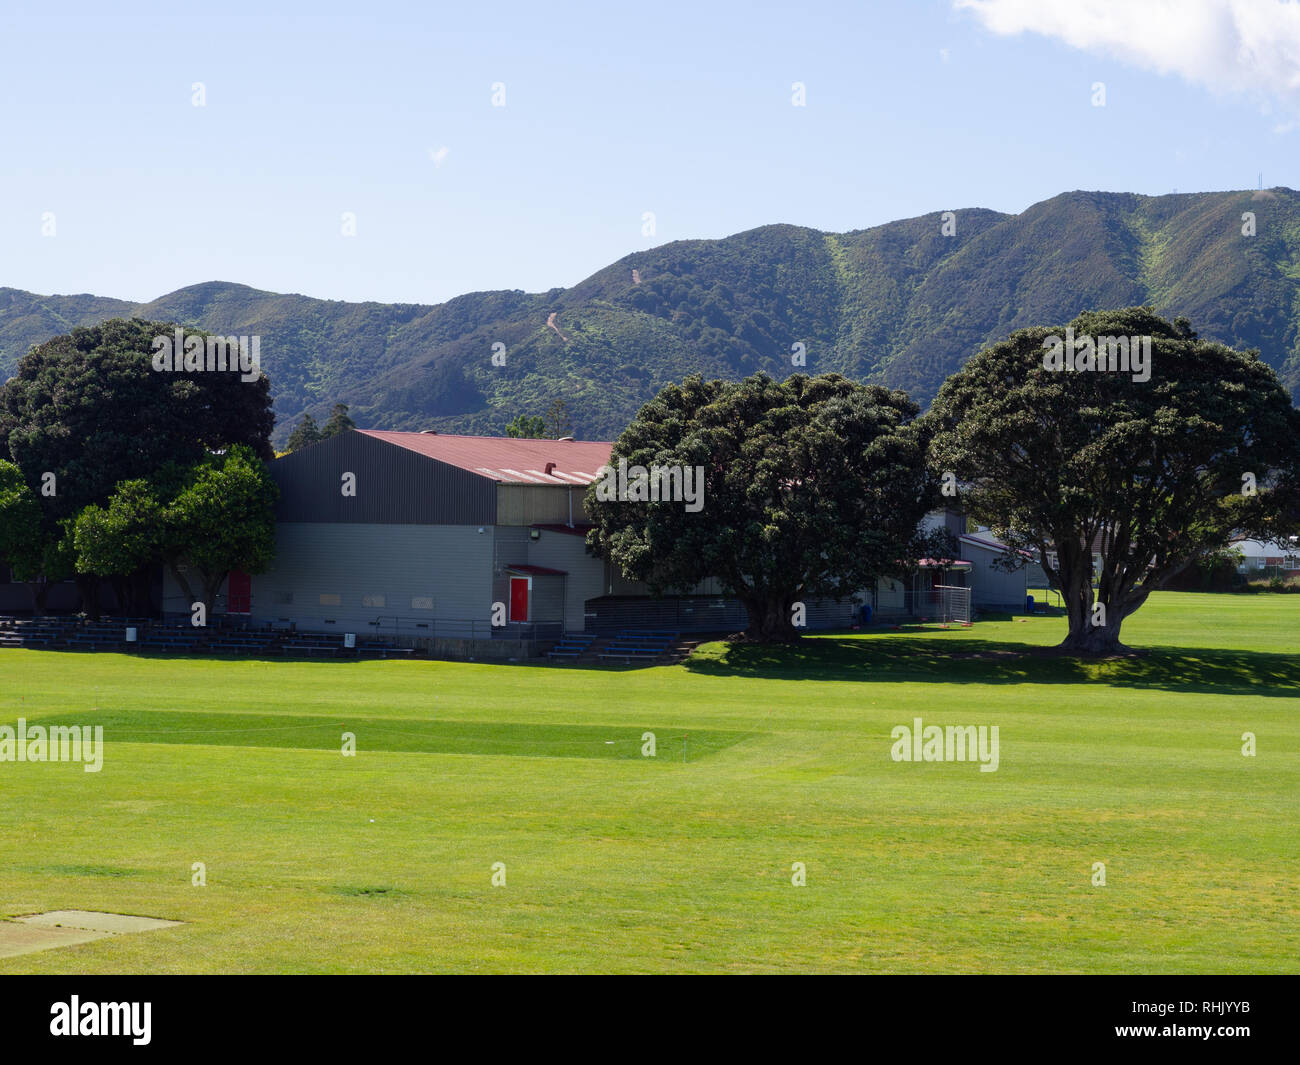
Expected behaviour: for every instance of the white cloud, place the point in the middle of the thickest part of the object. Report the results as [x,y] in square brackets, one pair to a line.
[1235,46]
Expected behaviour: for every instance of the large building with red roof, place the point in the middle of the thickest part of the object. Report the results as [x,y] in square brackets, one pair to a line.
[436,536]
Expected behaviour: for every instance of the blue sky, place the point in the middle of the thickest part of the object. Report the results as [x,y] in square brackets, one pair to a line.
[611,110]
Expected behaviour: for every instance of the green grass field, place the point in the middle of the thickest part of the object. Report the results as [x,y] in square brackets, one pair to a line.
[382,862]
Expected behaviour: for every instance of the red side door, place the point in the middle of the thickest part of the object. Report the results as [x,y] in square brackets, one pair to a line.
[239,593]
[519,587]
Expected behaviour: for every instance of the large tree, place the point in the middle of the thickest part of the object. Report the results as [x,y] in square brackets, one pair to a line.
[812,488]
[38,548]
[222,519]
[122,538]
[20,513]
[88,410]
[1150,473]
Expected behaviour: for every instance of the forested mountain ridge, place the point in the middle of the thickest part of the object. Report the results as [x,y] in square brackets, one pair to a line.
[901,304]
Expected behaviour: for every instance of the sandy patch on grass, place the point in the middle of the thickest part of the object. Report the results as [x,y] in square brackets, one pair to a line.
[26,939]
[66,928]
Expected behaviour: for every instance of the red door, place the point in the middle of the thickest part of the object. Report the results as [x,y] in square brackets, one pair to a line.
[239,592]
[519,587]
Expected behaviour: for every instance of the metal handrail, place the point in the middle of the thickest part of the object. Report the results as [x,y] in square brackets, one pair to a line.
[478,628]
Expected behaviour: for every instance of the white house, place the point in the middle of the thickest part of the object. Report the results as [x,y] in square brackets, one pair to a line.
[1259,556]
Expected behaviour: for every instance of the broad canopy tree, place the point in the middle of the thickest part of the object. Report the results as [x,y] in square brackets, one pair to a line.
[222,519]
[20,514]
[88,411]
[89,408]
[813,487]
[201,522]
[1155,473]
[38,550]
[119,540]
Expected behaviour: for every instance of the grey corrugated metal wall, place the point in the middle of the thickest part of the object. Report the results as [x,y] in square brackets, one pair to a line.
[377,572]
[510,547]
[586,575]
[392,485]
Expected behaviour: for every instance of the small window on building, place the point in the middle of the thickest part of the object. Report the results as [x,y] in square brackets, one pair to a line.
[372,600]
[421,602]
[331,600]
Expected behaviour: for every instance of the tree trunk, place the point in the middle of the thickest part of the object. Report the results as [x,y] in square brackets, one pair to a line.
[1094,626]
[1092,639]
[88,588]
[770,620]
[1089,633]
[40,596]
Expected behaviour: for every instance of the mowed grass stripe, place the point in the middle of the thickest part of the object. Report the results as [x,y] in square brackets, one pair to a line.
[379,734]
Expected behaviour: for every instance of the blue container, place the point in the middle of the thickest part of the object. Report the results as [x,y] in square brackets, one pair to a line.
[1029,604]
[866,614]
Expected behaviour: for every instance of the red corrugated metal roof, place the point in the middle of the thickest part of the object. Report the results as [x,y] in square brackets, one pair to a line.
[506,459]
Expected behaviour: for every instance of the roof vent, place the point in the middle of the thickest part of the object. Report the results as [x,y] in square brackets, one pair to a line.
[428,432]
[568,438]
[550,467]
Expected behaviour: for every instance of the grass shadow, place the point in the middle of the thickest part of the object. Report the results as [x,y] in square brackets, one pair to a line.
[904,659]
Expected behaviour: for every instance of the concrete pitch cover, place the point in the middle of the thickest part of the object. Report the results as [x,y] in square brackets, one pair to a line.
[66,928]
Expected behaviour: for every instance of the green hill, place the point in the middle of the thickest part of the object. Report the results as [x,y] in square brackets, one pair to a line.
[900,304]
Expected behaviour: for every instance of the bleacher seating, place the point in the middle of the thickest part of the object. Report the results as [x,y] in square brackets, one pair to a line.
[177,636]
[642,645]
[571,645]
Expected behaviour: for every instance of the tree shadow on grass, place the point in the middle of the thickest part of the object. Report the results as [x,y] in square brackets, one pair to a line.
[906,659]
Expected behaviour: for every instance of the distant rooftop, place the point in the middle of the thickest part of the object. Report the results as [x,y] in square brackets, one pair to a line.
[506,459]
